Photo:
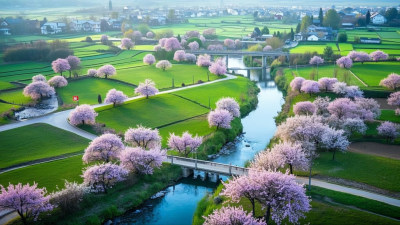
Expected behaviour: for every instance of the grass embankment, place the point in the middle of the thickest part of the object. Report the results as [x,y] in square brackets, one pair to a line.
[126,195]
[389,115]
[373,72]
[35,142]
[328,207]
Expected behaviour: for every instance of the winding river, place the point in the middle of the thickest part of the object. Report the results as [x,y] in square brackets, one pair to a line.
[179,203]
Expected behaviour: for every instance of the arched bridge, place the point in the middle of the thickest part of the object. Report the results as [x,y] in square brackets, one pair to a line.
[189,165]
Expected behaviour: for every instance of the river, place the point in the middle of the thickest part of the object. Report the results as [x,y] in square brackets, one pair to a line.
[179,203]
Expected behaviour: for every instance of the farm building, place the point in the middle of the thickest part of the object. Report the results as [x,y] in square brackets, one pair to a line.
[4,28]
[312,38]
[370,40]
[52,28]
[377,18]
[85,25]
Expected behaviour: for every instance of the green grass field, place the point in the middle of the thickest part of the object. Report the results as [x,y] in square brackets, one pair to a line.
[313,47]
[15,97]
[6,85]
[373,72]
[88,89]
[37,141]
[180,73]
[389,115]
[345,48]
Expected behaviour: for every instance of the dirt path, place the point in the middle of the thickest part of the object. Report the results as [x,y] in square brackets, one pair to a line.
[383,103]
[373,148]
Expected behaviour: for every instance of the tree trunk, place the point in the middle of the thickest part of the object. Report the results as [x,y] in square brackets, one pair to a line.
[267,214]
[309,177]
[291,168]
[70,74]
[253,204]
[333,156]
[83,122]
[114,104]
[22,217]
[147,96]
[105,76]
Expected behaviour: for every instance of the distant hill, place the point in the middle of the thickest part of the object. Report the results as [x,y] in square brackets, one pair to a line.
[15,4]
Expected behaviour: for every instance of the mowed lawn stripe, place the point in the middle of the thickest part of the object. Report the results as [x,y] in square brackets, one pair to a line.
[153,112]
[37,141]
[373,72]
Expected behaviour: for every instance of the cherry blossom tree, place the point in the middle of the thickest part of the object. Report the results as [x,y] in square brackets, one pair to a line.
[368,106]
[92,72]
[304,108]
[230,216]
[353,92]
[326,83]
[150,35]
[378,55]
[105,148]
[220,118]
[191,34]
[343,108]
[316,60]
[194,46]
[138,160]
[267,48]
[296,83]
[115,97]
[362,57]
[353,125]
[157,48]
[392,82]
[179,56]
[103,176]
[163,64]
[310,87]
[104,39]
[397,112]
[204,60]
[28,201]
[238,43]
[352,55]
[148,88]
[39,77]
[210,33]
[149,59]
[82,114]
[321,104]
[190,58]
[230,105]
[184,144]
[74,63]
[394,99]
[162,41]
[172,44]
[58,81]
[217,47]
[60,65]
[389,130]
[334,140]
[268,160]
[339,88]
[218,67]
[106,71]
[127,43]
[143,137]
[38,90]
[292,155]
[229,43]
[344,62]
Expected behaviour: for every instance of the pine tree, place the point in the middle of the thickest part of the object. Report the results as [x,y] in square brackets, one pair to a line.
[321,16]
[368,18]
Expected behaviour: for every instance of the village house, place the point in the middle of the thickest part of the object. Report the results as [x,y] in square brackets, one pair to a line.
[53,28]
[378,19]
[85,25]
[4,28]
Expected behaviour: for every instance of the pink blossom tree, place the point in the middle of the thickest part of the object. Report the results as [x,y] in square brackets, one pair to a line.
[184,144]
[82,114]
[74,63]
[179,56]
[143,137]
[220,118]
[353,92]
[150,35]
[343,108]
[28,201]
[353,125]
[388,130]
[163,64]
[172,44]
[229,43]
[58,81]
[316,60]
[204,60]
[105,148]
[217,47]
[60,65]
[192,34]
[310,87]
[218,67]
[38,90]
[230,105]
[190,58]
[149,59]
[394,99]
[392,82]
[231,215]
[378,55]
[138,160]
[106,71]
[268,160]
[104,39]
[127,43]
[210,33]
[292,155]
[296,83]
[344,62]
[115,97]
[92,72]
[340,88]
[238,44]
[162,41]
[326,83]
[148,88]
[194,46]
[39,77]
[304,108]
[267,48]
[334,140]
[362,57]
[370,106]
[321,104]
[103,176]
[157,48]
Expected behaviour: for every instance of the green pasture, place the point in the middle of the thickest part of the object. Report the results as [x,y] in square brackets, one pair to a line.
[35,142]
[4,108]
[15,97]
[179,73]
[373,72]
[6,85]
[144,47]
[389,115]
[88,90]
[313,47]
[345,48]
